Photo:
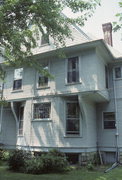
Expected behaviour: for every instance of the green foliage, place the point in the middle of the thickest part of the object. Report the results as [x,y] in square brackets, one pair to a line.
[17,160]
[21,161]
[90,166]
[4,155]
[118,25]
[26,19]
[34,166]
[54,161]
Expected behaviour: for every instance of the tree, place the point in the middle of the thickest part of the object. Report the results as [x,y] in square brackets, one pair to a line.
[118,25]
[17,16]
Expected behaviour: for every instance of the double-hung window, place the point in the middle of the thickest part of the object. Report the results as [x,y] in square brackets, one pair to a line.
[21,115]
[17,84]
[42,111]
[72,118]
[73,70]
[44,39]
[109,120]
[118,72]
[43,78]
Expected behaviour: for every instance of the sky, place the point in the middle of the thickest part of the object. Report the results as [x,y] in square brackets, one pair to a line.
[104,14]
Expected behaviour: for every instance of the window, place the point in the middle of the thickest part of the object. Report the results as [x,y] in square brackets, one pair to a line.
[73,70]
[44,39]
[106,76]
[43,79]
[72,118]
[21,114]
[109,120]
[118,72]
[17,79]
[42,111]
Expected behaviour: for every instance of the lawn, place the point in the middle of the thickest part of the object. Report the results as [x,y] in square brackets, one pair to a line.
[80,174]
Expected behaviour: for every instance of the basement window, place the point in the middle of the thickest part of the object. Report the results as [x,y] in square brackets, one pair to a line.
[109,120]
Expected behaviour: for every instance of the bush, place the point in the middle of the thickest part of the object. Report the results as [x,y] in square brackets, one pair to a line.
[17,159]
[54,161]
[90,166]
[4,155]
[34,166]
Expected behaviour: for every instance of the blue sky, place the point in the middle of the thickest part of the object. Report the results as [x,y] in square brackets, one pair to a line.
[103,14]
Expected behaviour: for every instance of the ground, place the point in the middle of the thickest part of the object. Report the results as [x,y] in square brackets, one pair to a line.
[77,174]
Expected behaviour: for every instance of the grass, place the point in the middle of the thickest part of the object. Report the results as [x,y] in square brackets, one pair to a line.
[79,174]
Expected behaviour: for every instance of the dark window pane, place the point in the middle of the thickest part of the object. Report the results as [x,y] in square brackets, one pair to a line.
[72,119]
[17,84]
[43,81]
[109,124]
[42,111]
[109,120]
[118,72]
[73,126]
[73,70]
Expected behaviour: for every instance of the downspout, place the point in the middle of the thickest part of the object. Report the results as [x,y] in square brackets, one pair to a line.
[116,118]
[117,132]
[15,117]
[1,110]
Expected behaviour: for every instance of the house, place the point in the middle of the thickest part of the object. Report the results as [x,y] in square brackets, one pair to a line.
[78,111]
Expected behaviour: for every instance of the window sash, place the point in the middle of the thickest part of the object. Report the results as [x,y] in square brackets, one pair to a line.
[42,111]
[72,118]
[109,120]
[42,79]
[118,73]
[73,70]
[17,84]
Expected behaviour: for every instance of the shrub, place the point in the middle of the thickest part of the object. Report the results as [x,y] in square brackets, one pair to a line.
[54,161]
[90,166]
[17,159]
[34,166]
[4,155]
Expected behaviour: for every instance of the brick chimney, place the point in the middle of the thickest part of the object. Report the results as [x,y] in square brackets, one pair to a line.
[107,30]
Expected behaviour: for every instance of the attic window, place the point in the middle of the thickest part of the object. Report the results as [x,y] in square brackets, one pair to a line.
[44,39]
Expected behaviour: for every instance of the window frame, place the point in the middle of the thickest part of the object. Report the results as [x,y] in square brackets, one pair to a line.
[103,120]
[67,70]
[44,40]
[38,75]
[16,80]
[21,120]
[42,119]
[120,72]
[72,134]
